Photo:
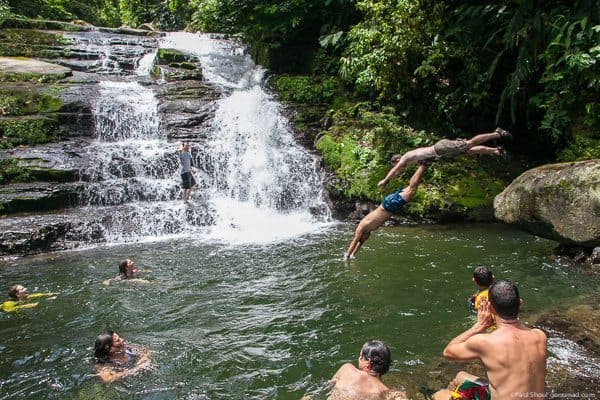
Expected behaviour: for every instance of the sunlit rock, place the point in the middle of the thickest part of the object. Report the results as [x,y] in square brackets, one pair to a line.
[557,201]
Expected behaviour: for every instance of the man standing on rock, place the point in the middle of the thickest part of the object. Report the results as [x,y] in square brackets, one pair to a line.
[514,356]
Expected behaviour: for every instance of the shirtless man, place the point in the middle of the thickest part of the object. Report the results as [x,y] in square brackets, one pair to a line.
[390,205]
[364,382]
[514,356]
[447,149]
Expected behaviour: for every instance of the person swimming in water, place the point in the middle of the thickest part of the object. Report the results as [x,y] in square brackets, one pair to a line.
[115,359]
[127,270]
[20,298]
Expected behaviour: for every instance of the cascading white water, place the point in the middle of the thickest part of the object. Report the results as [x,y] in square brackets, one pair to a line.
[263,184]
[255,183]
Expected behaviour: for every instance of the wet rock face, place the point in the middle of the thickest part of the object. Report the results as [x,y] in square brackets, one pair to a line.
[55,171]
[559,202]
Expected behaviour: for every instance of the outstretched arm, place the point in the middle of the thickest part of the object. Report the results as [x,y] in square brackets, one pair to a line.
[396,169]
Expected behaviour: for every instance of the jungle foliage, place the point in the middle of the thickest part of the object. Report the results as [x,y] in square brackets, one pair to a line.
[393,71]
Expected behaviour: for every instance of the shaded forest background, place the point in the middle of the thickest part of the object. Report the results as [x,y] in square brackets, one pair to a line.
[401,70]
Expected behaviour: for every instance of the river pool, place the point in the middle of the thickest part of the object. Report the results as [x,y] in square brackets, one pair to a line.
[261,321]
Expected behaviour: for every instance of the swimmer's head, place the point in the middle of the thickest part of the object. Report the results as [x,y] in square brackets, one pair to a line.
[378,353]
[17,292]
[107,343]
[127,267]
[482,276]
[395,158]
[103,344]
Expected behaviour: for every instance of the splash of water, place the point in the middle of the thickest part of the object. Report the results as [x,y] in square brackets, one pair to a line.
[255,183]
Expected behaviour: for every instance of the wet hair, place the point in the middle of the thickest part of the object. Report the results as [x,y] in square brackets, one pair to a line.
[102,345]
[379,354]
[483,276]
[123,267]
[395,158]
[504,297]
[12,292]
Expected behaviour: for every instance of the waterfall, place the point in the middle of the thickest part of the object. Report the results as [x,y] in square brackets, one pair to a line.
[255,183]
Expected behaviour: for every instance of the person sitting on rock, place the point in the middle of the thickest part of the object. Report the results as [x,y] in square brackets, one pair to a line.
[446,148]
[21,297]
[115,359]
[513,355]
[364,382]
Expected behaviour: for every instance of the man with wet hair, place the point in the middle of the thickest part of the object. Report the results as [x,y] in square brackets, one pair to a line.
[446,148]
[513,355]
[364,382]
[391,204]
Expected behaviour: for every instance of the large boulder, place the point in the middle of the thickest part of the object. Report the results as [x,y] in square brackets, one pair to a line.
[558,201]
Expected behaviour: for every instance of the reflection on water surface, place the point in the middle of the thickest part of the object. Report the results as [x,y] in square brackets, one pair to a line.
[260,321]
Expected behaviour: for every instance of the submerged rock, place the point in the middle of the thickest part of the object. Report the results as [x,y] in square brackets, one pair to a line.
[558,201]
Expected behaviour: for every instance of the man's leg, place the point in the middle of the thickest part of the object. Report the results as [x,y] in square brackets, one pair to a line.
[486,137]
[372,221]
[443,394]
[494,151]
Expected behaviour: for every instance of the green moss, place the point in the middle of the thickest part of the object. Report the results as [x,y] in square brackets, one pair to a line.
[28,131]
[32,43]
[313,90]
[10,172]
[26,23]
[25,102]
[169,56]
[184,65]
[583,146]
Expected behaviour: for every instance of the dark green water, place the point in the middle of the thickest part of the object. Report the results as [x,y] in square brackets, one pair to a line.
[260,322]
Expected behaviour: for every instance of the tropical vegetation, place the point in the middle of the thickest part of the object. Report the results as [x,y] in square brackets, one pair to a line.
[374,77]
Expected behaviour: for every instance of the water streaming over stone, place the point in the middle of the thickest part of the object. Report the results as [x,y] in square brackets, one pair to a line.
[255,184]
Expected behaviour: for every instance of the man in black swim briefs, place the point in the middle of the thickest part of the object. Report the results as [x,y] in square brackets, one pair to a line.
[390,205]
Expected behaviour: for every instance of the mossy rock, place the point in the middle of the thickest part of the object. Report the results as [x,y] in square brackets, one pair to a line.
[28,131]
[23,69]
[42,24]
[42,196]
[170,74]
[171,56]
[17,102]
[184,65]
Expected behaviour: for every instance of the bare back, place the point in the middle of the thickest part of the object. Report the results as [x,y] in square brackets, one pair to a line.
[350,383]
[515,359]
